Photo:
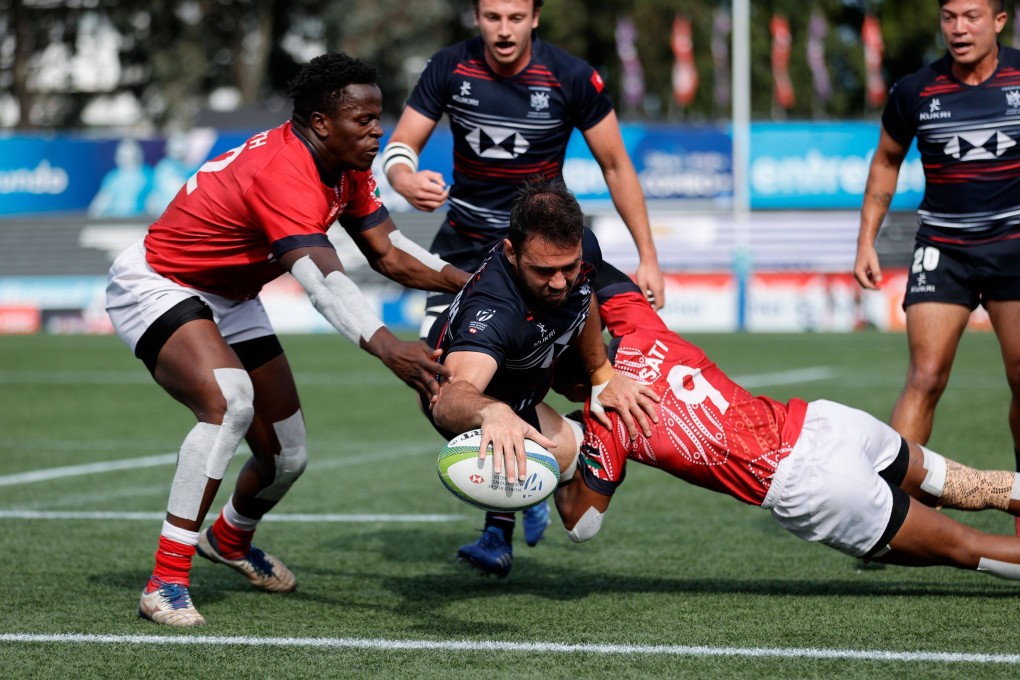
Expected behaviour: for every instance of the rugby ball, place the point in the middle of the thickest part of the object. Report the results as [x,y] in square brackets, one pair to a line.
[473,481]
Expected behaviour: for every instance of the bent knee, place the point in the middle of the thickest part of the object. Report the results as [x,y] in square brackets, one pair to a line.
[238,395]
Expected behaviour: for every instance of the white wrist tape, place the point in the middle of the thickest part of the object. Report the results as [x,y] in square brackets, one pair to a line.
[338,299]
[401,242]
[398,153]
[596,390]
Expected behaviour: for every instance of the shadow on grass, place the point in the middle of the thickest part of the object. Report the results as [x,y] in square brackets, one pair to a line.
[412,573]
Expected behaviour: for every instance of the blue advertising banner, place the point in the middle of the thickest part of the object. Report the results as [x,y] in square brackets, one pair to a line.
[793,166]
[124,177]
[822,166]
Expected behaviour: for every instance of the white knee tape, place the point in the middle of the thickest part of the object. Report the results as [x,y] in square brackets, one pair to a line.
[1014,493]
[291,460]
[1006,570]
[935,481]
[587,526]
[235,384]
[190,478]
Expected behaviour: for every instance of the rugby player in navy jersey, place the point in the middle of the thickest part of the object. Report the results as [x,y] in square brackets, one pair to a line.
[512,101]
[964,110]
[530,301]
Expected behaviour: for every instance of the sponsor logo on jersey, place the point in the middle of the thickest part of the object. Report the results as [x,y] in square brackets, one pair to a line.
[545,335]
[497,142]
[978,145]
[463,98]
[935,111]
[922,285]
[481,317]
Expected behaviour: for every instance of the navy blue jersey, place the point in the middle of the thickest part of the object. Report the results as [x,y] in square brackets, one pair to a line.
[967,137]
[490,315]
[505,129]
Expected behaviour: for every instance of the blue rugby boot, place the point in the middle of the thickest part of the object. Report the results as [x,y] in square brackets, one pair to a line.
[490,554]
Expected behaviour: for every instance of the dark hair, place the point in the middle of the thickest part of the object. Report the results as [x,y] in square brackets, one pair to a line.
[548,210]
[536,4]
[319,86]
[998,7]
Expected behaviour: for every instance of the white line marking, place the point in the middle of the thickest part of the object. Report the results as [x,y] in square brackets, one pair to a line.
[88,468]
[799,375]
[529,647]
[394,451]
[283,517]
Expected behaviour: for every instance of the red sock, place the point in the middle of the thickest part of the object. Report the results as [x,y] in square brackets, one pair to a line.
[233,543]
[173,563]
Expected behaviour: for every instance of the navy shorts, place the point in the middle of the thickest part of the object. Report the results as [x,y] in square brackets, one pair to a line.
[964,275]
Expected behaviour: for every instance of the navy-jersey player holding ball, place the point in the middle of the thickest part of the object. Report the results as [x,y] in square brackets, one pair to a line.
[964,110]
[512,101]
[529,301]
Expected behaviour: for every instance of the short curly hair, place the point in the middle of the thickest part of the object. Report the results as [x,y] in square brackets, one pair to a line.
[320,84]
[545,209]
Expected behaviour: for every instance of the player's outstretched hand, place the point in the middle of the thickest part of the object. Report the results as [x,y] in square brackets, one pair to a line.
[506,431]
[866,269]
[634,402]
[424,190]
[416,364]
[649,278]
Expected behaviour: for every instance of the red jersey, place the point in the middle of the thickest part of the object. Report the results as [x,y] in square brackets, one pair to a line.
[711,431]
[241,211]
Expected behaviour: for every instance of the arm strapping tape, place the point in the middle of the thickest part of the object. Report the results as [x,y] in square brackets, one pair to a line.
[401,242]
[397,153]
[338,299]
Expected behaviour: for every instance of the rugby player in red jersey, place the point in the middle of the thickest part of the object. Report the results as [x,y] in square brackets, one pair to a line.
[826,472]
[185,299]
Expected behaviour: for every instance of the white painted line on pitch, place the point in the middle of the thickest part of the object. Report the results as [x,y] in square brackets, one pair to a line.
[88,469]
[282,517]
[397,451]
[527,647]
[799,375]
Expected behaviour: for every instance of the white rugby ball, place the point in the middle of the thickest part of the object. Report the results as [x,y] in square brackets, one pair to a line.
[473,481]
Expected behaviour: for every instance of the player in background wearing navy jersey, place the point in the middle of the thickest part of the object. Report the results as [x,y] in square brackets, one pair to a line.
[185,299]
[964,110]
[512,101]
[826,472]
[529,301]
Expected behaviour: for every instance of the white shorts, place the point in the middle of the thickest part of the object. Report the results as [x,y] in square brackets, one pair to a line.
[828,488]
[136,296]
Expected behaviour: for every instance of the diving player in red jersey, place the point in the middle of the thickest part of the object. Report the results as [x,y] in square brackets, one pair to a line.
[964,111]
[186,301]
[826,472]
[513,101]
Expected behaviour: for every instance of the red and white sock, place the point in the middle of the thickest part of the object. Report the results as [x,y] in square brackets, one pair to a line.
[233,532]
[173,556]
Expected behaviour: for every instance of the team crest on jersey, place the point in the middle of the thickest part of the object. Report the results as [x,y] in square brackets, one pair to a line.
[496,142]
[1012,101]
[539,100]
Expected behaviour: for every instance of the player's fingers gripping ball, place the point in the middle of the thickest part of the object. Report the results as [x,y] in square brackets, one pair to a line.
[473,481]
